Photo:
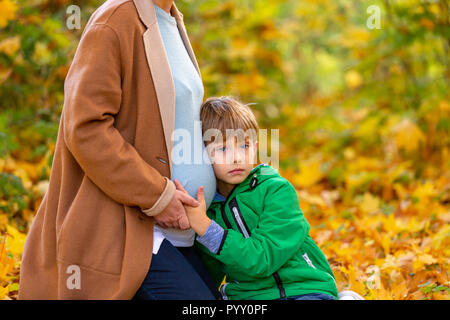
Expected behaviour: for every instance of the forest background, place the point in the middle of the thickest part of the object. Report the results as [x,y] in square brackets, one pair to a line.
[359,91]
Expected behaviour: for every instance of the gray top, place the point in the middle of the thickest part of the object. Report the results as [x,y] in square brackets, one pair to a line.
[188,139]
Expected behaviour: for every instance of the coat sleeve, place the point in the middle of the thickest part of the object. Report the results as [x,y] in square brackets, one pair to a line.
[281,230]
[93,93]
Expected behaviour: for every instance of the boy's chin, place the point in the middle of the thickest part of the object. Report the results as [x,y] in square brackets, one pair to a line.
[236,179]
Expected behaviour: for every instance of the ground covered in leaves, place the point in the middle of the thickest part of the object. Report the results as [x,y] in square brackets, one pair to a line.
[363,120]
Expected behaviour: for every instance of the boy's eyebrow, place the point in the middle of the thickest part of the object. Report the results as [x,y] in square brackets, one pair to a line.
[222,143]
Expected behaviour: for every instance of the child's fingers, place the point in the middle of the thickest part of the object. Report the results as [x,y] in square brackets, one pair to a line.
[201,194]
[187,199]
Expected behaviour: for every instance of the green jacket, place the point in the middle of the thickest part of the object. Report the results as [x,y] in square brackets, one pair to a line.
[266,252]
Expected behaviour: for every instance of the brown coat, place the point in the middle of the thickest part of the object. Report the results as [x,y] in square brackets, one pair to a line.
[111,161]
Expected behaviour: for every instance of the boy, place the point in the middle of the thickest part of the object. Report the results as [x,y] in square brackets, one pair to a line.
[254,231]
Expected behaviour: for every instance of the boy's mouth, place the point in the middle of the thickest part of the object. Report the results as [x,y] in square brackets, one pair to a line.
[236,171]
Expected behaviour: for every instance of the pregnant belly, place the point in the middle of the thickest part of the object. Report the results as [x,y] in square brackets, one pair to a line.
[192,176]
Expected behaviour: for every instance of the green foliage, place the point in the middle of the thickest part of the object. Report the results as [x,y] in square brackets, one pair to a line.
[12,192]
[363,117]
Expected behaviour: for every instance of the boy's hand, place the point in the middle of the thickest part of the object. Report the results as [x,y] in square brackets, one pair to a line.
[198,219]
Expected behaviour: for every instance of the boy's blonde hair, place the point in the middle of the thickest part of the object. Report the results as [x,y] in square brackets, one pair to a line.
[226,112]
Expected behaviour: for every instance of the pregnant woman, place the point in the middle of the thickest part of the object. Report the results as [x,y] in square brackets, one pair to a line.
[112,224]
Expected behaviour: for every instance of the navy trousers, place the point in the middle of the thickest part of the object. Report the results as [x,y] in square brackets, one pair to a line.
[310,296]
[177,273]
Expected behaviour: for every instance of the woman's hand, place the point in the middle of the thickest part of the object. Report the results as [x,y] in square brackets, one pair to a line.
[174,215]
[197,217]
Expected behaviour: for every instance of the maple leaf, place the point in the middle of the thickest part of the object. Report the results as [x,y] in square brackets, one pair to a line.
[310,173]
[408,135]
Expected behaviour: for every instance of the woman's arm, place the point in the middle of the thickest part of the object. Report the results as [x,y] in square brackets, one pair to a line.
[93,96]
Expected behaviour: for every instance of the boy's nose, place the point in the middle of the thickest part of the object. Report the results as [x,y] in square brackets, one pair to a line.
[238,156]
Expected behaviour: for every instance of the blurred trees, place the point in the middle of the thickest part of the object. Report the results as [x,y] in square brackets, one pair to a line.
[363,116]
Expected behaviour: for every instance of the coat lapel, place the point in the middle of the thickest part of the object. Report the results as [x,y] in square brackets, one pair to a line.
[160,68]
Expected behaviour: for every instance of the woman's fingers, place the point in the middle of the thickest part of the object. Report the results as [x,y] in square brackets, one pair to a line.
[183,223]
[179,186]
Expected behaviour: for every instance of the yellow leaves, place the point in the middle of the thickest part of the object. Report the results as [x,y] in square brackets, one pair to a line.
[249,82]
[323,236]
[423,260]
[369,204]
[423,194]
[354,37]
[425,191]
[10,45]
[399,288]
[408,135]
[378,255]
[315,24]
[353,79]
[8,264]
[41,188]
[11,247]
[367,128]
[3,219]
[444,106]
[28,172]
[355,279]
[388,214]
[8,10]
[4,292]
[42,53]
[15,240]
[442,238]
[311,199]
[406,261]
[389,263]
[241,48]
[310,173]
[270,31]
[377,197]
[373,281]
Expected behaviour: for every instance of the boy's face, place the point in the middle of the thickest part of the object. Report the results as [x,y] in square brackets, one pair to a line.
[232,160]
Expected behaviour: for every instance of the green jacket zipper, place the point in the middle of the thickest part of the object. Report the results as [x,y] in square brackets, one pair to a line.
[243,228]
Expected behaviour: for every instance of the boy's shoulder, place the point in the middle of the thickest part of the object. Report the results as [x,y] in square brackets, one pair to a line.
[268,180]
[270,175]
[264,179]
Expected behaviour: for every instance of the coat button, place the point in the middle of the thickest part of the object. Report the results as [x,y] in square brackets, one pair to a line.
[162,160]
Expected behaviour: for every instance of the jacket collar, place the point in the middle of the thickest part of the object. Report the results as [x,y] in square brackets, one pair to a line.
[255,172]
[218,197]
[146,11]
